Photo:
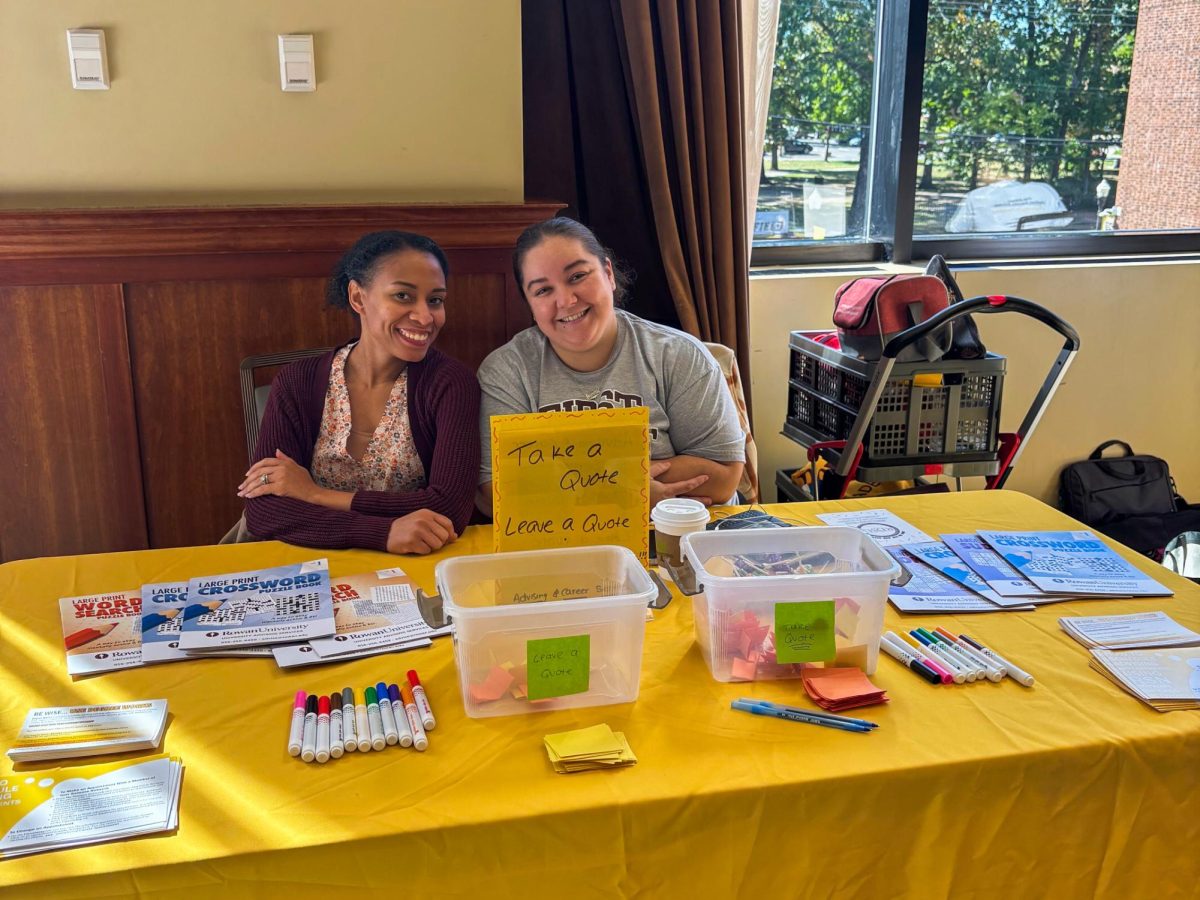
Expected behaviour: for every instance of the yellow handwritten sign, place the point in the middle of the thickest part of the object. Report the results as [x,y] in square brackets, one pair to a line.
[572,479]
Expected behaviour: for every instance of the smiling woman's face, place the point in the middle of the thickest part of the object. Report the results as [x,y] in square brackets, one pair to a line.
[570,292]
[403,308]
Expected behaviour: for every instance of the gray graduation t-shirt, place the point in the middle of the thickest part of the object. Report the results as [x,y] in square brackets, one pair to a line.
[691,410]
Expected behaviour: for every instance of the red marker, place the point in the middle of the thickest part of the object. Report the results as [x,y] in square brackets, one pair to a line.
[423,706]
[322,729]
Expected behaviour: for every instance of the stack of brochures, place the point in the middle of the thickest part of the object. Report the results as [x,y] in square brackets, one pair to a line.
[54,809]
[1137,631]
[61,732]
[295,614]
[373,613]
[1164,679]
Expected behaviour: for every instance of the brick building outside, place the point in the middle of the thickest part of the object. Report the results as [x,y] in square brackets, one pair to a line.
[1159,184]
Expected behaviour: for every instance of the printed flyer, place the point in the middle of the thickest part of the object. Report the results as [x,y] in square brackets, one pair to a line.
[53,809]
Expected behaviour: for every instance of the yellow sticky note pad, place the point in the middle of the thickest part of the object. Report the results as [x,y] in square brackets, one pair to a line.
[572,479]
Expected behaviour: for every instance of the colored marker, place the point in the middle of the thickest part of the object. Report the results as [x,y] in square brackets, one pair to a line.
[994,673]
[350,739]
[296,735]
[1016,673]
[423,706]
[910,660]
[795,716]
[928,659]
[361,726]
[951,649]
[336,749]
[414,718]
[378,740]
[307,751]
[322,754]
[391,733]
[958,669]
[402,724]
[811,712]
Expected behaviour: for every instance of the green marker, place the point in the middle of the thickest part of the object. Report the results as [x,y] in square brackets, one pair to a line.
[374,721]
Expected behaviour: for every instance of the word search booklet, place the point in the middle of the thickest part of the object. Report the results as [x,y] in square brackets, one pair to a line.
[271,606]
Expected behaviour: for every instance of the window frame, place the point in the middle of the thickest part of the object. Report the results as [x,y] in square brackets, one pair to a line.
[894,211]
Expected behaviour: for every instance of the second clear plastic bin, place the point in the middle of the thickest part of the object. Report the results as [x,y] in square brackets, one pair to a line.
[775,599]
[546,629]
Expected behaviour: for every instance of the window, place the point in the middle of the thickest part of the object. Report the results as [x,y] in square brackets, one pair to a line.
[981,128]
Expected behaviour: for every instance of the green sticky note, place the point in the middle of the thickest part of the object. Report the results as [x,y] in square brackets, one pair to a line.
[804,631]
[560,666]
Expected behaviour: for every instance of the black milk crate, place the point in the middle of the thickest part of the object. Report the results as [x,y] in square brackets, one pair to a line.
[929,413]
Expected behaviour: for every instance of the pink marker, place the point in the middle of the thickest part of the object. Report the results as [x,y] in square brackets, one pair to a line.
[422,701]
[919,651]
[296,735]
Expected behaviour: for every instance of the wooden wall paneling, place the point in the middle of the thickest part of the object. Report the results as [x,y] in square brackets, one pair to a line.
[204,288]
[70,480]
[187,339]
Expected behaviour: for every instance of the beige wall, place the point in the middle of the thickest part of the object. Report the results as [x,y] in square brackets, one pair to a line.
[417,100]
[1137,376]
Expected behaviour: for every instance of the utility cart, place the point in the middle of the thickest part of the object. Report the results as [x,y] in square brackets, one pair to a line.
[890,421]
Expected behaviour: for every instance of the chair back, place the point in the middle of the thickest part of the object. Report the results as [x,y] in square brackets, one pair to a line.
[727,360]
[256,387]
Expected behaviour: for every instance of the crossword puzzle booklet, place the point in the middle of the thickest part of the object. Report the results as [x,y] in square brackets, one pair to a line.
[272,606]
[1072,562]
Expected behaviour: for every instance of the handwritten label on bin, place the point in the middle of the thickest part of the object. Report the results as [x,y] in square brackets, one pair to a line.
[804,631]
[571,479]
[558,666]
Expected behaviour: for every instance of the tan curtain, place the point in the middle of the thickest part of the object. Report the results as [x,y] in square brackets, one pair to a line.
[760,23]
[683,75]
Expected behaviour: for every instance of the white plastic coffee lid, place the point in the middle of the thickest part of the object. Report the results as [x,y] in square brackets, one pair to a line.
[679,512]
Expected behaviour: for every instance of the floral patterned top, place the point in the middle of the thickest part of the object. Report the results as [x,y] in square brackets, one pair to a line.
[390,462]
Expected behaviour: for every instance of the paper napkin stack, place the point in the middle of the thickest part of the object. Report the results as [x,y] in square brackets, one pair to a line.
[836,689]
[598,747]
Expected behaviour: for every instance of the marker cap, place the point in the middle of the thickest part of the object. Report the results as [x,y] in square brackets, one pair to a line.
[381,690]
[407,694]
[311,705]
[323,706]
[301,700]
[394,692]
[413,679]
[347,696]
[371,696]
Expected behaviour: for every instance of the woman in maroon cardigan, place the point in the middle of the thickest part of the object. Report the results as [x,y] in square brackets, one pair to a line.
[375,444]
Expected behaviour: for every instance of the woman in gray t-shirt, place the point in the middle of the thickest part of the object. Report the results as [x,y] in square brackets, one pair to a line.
[584,353]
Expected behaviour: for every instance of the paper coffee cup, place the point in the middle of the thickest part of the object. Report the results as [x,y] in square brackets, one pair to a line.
[672,518]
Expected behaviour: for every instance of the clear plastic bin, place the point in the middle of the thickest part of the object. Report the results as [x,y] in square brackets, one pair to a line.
[575,617]
[756,618]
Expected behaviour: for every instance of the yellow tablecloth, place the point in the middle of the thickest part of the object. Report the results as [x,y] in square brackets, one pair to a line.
[1069,789]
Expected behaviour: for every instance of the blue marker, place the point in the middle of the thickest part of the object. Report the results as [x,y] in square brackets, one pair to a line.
[797,716]
[391,733]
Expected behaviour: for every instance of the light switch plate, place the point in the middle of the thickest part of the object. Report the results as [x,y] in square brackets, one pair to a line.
[87,55]
[297,68]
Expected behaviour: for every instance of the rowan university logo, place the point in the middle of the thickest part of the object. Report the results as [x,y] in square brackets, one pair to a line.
[606,399]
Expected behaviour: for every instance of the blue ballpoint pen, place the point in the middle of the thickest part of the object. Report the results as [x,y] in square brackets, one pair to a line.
[795,716]
[832,717]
